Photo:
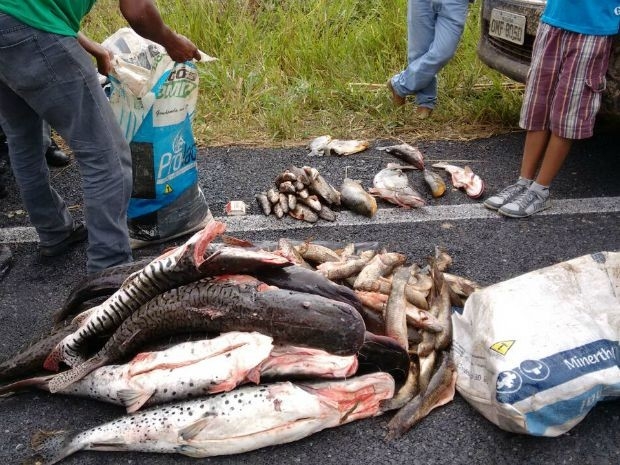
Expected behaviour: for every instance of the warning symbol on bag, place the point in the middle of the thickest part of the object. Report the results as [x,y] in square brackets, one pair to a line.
[502,347]
[168,189]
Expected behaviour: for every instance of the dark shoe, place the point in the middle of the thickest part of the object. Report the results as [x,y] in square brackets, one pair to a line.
[79,234]
[56,157]
[397,100]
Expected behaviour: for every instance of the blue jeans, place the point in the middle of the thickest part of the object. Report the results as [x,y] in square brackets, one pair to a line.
[434,31]
[50,77]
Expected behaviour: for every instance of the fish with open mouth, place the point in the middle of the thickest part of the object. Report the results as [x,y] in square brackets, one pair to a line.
[406,153]
[393,185]
[234,422]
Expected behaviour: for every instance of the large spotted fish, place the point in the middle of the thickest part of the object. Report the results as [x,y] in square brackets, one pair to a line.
[231,303]
[197,368]
[184,264]
[247,418]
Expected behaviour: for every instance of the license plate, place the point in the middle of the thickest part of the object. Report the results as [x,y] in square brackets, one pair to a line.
[508,26]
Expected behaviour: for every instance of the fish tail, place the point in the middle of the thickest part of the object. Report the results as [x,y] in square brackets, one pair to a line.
[62,380]
[52,446]
[38,382]
[133,399]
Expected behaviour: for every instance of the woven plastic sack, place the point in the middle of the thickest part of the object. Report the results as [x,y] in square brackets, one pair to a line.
[534,354]
[154,100]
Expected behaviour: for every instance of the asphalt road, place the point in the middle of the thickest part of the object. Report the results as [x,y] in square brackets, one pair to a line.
[484,246]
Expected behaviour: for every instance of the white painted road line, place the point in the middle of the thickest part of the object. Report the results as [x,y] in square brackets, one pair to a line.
[384,216]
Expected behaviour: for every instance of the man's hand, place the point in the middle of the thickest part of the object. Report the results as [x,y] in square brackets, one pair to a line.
[180,48]
[103,56]
[143,16]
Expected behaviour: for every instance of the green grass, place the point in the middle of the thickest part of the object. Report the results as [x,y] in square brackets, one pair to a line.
[290,70]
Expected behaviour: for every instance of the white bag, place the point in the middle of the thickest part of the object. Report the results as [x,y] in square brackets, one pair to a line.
[534,354]
[154,100]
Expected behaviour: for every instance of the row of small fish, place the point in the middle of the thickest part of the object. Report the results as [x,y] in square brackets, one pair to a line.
[301,193]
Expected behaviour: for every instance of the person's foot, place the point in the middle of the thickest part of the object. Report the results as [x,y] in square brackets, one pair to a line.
[423,112]
[525,205]
[397,100]
[56,157]
[506,195]
[79,234]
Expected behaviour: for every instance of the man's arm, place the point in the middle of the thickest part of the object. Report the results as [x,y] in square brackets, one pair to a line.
[98,51]
[143,16]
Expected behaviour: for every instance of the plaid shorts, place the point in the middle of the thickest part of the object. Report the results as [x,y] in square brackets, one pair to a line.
[565,82]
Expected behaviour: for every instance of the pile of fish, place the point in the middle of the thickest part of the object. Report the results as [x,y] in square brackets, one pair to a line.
[223,347]
[301,193]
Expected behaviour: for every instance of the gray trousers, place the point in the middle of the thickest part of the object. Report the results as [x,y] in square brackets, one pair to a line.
[50,77]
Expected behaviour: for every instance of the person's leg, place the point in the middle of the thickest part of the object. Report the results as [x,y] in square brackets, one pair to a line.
[449,26]
[533,151]
[64,91]
[420,34]
[448,21]
[555,154]
[46,209]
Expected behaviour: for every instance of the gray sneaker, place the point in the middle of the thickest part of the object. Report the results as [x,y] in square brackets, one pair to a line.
[525,205]
[503,197]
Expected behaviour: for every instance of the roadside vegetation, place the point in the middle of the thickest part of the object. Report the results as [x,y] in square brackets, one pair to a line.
[291,70]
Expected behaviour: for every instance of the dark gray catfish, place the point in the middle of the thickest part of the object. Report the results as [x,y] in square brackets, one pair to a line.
[231,303]
[301,279]
[185,264]
[101,284]
[29,360]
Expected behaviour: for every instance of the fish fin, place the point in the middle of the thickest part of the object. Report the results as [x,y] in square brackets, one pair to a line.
[191,431]
[66,378]
[52,446]
[39,382]
[211,231]
[231,240]
[254,375]
[190,451]
[133,399]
